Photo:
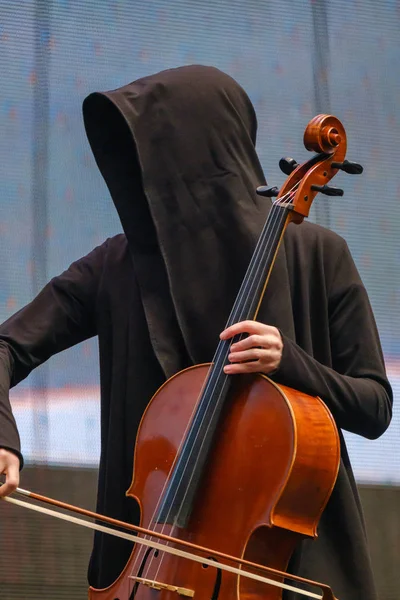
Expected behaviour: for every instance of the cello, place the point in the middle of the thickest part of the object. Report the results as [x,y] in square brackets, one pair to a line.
[236,469]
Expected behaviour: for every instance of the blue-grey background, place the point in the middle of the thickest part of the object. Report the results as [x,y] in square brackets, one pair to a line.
[295,59]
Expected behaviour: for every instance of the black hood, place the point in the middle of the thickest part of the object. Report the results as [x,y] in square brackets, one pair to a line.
[177,151]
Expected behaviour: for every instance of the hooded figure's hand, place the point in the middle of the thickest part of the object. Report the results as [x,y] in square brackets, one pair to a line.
[259,352]
[9,466]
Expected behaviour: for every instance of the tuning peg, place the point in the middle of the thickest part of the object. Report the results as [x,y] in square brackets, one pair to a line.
[328,190]
[288,165]
[349,167]
[263,190]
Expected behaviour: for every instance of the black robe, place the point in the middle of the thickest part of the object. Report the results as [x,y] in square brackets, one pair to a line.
[177,153]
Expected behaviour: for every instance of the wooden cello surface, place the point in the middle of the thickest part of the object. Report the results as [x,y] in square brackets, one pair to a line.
[268,477]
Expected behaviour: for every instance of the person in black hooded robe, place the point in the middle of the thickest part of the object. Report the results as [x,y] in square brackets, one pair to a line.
[177,151]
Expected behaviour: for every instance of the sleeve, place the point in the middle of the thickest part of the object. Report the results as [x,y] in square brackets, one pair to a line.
[355,389]
[62,315]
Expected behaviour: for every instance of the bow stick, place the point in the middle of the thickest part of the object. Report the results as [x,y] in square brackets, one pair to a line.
[327,593]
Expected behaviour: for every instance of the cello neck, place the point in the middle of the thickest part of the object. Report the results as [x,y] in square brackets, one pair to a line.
[255,281]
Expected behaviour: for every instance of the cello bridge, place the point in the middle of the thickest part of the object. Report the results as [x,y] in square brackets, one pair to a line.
[158,585]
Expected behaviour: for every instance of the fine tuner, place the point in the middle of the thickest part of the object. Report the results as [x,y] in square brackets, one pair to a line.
[288,165]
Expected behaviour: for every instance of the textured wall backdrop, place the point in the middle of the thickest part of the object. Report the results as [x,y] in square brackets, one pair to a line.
[295,59]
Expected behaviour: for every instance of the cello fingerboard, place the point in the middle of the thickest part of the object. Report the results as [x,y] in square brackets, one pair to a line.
[176,504]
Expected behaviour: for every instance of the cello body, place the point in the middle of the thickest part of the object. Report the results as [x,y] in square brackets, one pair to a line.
[255,502]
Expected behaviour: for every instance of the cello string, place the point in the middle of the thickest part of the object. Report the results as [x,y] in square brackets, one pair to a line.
[272,230]
[163,529]
[268,232]
[253,263]
[227,376]
[184,470]
[256,263]
[199,451]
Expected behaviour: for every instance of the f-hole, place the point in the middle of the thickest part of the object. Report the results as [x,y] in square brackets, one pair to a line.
[140,572]
[218,580]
